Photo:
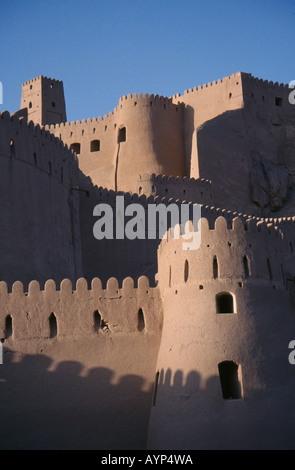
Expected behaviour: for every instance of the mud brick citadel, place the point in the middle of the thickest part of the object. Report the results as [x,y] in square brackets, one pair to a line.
[139,344]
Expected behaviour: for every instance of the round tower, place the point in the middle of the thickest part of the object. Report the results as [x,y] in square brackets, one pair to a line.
[223,379]
[149,139]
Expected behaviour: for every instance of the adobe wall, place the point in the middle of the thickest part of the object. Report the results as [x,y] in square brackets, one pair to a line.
[154,141]
[189,410]
[182,188]
[90,385]
[117,257]
[203,103]
[239,133]
[40,232]
[44,99]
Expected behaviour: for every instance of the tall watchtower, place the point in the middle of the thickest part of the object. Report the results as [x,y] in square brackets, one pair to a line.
[44,99]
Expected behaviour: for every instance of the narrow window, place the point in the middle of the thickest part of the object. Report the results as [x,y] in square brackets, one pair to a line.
[224,303]
[30,104]
[35,159]
[95,146]
[246,266]
[229,379]
[122,135]
[283,274]
[156,388]
[279,101]
[51,85]
[53,104]
[186,270]
[76,147]
[11,144]
[269,269]
[230,95]
[97,320]
[140,320]
[52,326]
[215,268]
[31,86]
[139,190]
[8,326]
[50,168]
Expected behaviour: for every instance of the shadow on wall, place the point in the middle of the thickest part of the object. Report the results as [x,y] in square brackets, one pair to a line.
[115,257]
[41,408]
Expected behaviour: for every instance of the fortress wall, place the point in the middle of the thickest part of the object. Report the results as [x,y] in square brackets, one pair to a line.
[268,97]
[202,104]
[190,189]
[40,210]
[123,257]
[259,411]
[264,246]
[214,98]
[116,257]
[44,99]
[270,118]
[154,141]
[228,147]
[81,381]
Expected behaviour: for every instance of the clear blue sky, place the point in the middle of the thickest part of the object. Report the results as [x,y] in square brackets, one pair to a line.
[104,49]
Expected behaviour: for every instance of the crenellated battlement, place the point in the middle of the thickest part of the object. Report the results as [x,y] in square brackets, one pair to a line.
[126,101]
[36,79]
[198,190]
[221,81]
[79,310]
[42,147]
[256,80]
[247,249]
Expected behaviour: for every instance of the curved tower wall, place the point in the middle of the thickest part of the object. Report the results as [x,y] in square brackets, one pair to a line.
[39,218]
[144,134]
[190,410]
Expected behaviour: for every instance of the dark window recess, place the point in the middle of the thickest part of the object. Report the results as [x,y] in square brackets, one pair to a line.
[76,147]
[140,320]
[30,104]
[246,266]
[8,326]
[95,146]
[186,270]
[269,269]
[229,379]
[224,303]
[52,326]
[35,159]
[122,135]
[12,146]
[53,104]
[279,101]
[215,268]
[97,320]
